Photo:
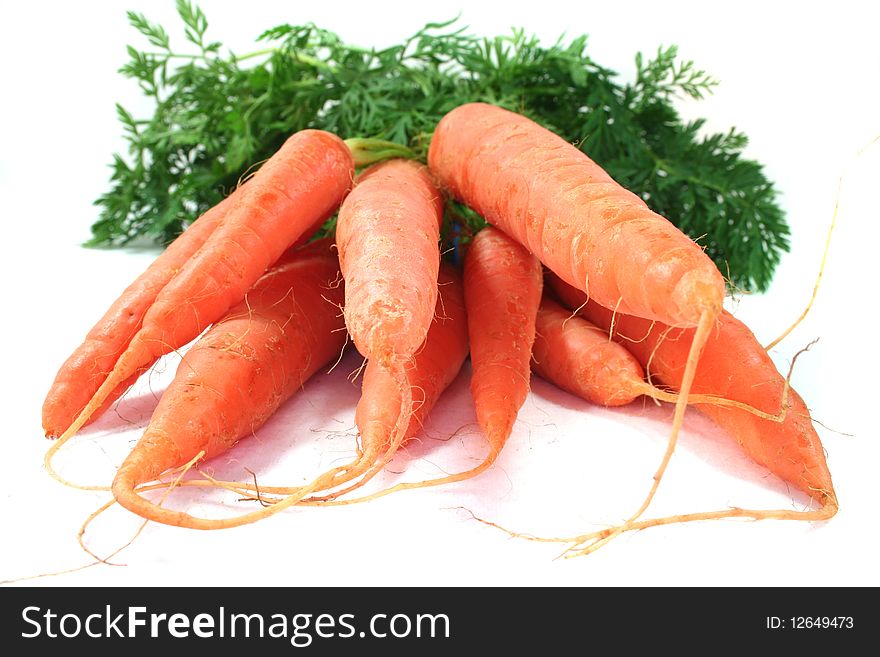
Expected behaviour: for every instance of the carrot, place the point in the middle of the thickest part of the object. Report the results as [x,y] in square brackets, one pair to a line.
[735,367]
[586,228]
[579,357]
[302,183]
[387,233]
[92,361]
[88,366]
[559,204]
[238,373]
[502,288]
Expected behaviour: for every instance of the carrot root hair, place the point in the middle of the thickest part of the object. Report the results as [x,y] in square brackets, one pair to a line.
[701,335]
[129,496]
[595,540]
[825,251]
[587,543]
[484,465]
[716,400]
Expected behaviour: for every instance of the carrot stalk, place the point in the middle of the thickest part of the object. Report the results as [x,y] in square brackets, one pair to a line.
[372,151]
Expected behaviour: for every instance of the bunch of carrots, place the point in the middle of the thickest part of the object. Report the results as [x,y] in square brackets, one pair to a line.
[573,278]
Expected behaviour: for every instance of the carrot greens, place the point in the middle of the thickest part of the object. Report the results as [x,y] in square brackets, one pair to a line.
[218,112]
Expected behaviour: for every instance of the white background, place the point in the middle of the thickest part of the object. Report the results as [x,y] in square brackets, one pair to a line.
[801,79]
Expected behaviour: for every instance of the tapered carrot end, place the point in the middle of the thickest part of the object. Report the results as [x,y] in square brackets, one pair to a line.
[58,414]
[815,478]
[497,429]
[824,492]
[123,487]
[830,503]
[156,452]
[61,412]
[61,409]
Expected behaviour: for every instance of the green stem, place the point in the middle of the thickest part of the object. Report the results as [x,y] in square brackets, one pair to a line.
[313,61]
[369,151]
[305,59]
[256,53]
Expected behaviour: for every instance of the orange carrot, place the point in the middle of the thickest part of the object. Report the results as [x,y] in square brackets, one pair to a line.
[734,366]
[302,183]
[738,381]
[88,366]
[91,362]
[238,373]
[429,372]
[578,357]
[387,234]
[590,231]
[502,287]
[586,228]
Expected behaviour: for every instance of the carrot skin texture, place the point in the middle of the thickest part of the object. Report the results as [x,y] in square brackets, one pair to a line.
[91,362]
[590,231]
[430,371]
[244,367]
[388,233]
[734,366]
[579,357]
[502,291]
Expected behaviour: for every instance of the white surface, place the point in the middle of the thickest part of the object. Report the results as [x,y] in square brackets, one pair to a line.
[799,79]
